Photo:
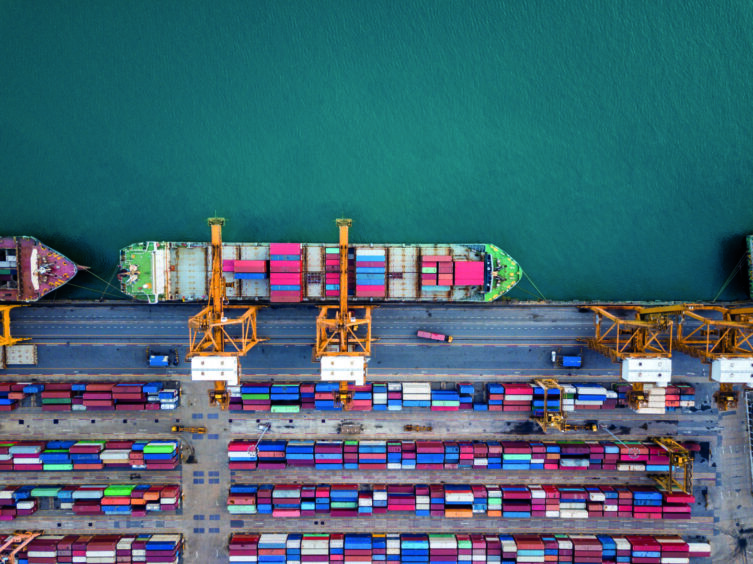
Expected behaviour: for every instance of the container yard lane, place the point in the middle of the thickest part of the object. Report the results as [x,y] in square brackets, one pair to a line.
[95,344]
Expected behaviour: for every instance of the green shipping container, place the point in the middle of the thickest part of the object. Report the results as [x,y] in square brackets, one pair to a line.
[344,504]
[56,401]
[286,408]
[255,396]
[428,270]
[45,491]
[118,491]
[57,467]
[159,449]
[508,457]
[241,509]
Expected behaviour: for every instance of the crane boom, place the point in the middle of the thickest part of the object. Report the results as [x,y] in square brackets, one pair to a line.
[212,348]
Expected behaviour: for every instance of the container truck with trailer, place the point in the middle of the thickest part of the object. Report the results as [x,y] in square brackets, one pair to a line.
[434,336]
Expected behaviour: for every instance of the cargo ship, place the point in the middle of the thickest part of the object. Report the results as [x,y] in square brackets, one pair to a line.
[298,272]
[30,269]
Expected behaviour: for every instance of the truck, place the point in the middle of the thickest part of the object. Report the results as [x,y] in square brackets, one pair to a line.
[567,360]
[434,336]
[18,354]
[161,359]
[417,428]
[182,429]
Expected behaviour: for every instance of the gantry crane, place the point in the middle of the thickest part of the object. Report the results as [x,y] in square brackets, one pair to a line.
[557,419]
[6,340]
[15,543]
[214,353]
[643,344]
[723,339]
[343,332]
[719,336]
[680,473]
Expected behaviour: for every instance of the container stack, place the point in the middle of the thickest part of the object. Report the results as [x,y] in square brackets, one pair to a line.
[436,272]
[469,273]
[416,394]
[441,547]
[370,273]
[285,268]
[395,396]
[67,549]
[36,456]
[97,396]
[137,500]
[661,399]
[11,395]
[445,400]
[332,272]
[460,501]
[246,269]
[626,456]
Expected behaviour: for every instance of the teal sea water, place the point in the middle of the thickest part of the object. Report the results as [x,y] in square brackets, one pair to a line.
[606,145]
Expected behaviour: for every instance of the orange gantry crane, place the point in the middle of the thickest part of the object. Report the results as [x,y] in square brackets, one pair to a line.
[15,543]
[213,351]
[343,332]
[718,336]
[6,339]
[639,341]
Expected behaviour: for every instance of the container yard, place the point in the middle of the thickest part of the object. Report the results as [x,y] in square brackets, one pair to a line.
[104,458]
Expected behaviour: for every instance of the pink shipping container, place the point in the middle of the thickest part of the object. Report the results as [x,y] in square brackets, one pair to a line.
[250,266]
[285,266]
[284,248]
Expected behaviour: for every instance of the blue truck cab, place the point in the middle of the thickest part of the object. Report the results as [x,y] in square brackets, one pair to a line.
[567,360]
[161,359]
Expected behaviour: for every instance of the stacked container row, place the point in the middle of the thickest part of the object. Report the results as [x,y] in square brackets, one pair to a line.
[662,400]
[67,549]
[332,272]
[91,396]
[459,501]
[458,548]
[529,397]
[370,273]
[130,499]
[246,269]
[88,455]
[396,396]
[285,268]
[633,456]
[436,272]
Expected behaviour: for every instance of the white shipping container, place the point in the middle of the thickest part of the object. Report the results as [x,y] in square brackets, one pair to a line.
[676,560]
[24,461]
[573,514]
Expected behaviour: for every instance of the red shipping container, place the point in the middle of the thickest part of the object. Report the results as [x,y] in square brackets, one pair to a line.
[227,265]
[250,266]
[285,278]
[285,266]
[284,248]
[436,258]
